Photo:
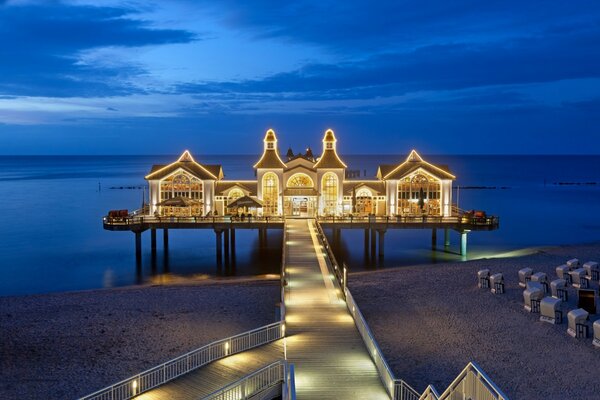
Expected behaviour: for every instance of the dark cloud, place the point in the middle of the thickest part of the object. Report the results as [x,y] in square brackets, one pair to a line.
[39,45]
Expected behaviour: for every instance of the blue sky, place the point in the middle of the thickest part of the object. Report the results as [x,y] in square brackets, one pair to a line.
[155,77]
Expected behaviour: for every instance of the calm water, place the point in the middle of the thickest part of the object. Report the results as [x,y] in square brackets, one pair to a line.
[52,237]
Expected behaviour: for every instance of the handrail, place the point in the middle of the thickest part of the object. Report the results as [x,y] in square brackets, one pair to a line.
[141,219]
[397,388]
[165,372]
[430,394]
[253,383]
[410,219]
[473,383]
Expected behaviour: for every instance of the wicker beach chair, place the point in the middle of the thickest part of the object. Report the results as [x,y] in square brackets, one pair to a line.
[525,276]
[577,320]
[550,310]
[542,278]
[578,278]
[558,289]
[592,271]
[532,296]
[497,283]
[483,278]
[573,264]
[562,271]
[596,341]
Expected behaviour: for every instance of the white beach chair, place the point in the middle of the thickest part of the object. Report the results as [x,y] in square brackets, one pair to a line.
[578,278]
[592,271]
[497,283]
[550,310]
[596,341]
[577,323]
[532,296]
[573,264]
[562,271]
[524,276]
[542,278]
[558,289]
[483,278]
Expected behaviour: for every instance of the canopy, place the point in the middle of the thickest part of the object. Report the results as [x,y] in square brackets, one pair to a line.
[246,201]
[180,201]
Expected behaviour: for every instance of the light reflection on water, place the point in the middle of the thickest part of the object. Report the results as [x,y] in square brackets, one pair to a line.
[52,237]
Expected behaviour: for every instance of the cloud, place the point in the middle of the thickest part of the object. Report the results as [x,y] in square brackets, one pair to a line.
[40,47]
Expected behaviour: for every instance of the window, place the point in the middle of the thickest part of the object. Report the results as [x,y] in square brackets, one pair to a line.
[270,193]
[300,180]
[181,185]
[418,193]
[233,195]
[330,193]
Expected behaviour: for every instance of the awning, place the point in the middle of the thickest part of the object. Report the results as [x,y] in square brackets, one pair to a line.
[300,192]
[245,201]
[180,202]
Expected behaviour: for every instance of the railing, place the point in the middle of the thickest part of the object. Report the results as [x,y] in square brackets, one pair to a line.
[410,219]
[473,383]
[188,362]
[430,394]
[397,388]
[142,219]
[252,384]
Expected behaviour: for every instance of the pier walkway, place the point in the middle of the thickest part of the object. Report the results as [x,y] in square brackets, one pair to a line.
[208,379]
[331,361]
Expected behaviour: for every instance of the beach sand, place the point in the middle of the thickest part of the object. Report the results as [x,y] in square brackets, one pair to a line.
[66,345]
[431,320]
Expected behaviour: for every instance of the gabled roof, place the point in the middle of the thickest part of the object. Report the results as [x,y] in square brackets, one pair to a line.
[187,163]
[376,186]
[412,163]
[329,158]
[225,186]
[300,162]
[245,201]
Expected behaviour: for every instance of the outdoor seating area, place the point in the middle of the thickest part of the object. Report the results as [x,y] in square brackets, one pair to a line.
[551,298]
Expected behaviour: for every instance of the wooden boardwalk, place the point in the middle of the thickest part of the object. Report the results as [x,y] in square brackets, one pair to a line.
[330,358]
[216,375]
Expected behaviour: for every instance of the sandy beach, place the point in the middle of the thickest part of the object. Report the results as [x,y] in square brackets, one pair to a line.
[66,345]
[431,320]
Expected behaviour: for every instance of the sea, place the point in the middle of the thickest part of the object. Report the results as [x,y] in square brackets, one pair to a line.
[52,238]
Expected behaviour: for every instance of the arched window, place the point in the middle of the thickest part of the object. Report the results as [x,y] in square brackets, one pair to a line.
[364,201]
[181,185]
[300,180]
[330,193]
[233,195]
[418,194]
[270,193]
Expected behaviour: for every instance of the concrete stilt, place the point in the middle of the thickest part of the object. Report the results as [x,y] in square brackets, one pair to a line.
[166,240]
[463,244]
[138,247]
[381,242]
[433,238]
[153,241]
[232,233]
[226,244]
[446,237]
[373,244]
[219,245]
[366,241]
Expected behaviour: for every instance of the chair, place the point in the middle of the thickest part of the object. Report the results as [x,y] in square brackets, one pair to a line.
[532,296]
[577,323]
[550,310]
[558,289]
[483,278]
[578,278]
[592,271]
[497,283]
[573,264]
[542,278]
[524,276]
[562,271]
[596,341]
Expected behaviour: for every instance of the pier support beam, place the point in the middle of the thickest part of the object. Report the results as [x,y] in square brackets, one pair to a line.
[138,247]
[381,242]
[219,245]
[446,237]
[463,244]
[165,240]
[373,244]
[232,233]
[226,245]
[433,238]
[153,241]
[366,241]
